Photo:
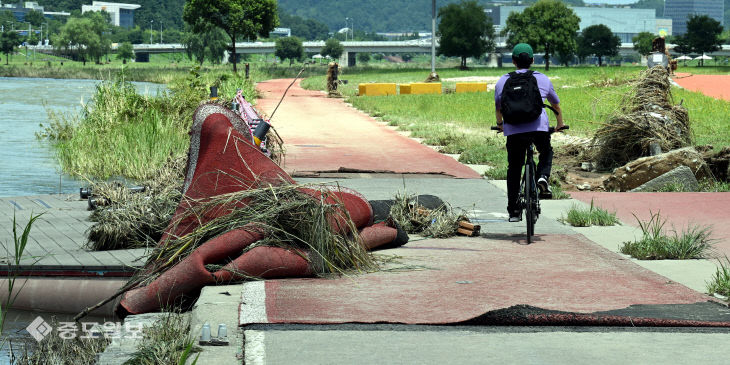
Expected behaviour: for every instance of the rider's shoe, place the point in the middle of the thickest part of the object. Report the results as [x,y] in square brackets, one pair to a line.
[544,187]
[515,216]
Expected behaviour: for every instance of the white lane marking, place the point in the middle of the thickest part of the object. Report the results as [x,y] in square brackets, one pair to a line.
[255,347]
[253,303]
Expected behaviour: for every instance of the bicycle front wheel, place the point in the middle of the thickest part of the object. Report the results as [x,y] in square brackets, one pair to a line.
[529,213]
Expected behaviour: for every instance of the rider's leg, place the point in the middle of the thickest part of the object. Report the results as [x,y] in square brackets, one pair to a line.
[545,161]
[516,146]
[544,164]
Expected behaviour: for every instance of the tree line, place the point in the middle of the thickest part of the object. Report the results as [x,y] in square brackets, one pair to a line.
[211,27]
[552,28]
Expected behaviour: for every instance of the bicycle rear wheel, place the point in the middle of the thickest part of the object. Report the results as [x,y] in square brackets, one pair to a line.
[529,214]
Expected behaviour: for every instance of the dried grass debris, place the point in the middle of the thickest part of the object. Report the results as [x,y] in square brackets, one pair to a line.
[431,220]
[647,116]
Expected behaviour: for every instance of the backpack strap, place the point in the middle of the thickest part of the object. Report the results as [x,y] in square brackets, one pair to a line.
[530,72]
[551,108]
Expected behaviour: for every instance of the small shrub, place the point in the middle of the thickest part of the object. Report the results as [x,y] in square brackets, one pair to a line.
[720,282]
[692,243]
[497,173]
[593,216]
[714,186]
[674,186]
[167,341]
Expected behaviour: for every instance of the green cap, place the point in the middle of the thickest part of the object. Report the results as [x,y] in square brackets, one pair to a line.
[522,48]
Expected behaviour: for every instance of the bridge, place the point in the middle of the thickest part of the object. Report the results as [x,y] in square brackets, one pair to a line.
[351,48]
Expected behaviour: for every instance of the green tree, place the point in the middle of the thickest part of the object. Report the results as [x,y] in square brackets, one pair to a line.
[308,29]
[565,56]
[125,52]
[363,57]
[7,19]
[289,48]
[35,18]
[681,45]
[598,40]
[8,41]
[465,31]
[240,19]
[642,42]
[85,37]
[547,26]
[703,34]
[208,44]
[333,48]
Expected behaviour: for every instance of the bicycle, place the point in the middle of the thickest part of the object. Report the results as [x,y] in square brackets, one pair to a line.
[528,200]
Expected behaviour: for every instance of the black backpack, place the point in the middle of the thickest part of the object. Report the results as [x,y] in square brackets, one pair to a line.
[521,100]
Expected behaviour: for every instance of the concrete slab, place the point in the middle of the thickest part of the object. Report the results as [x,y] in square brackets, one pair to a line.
[56,246]
[376,344]
[219,304]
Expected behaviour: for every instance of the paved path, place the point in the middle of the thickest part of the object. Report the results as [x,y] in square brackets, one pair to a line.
[681,210]
[326,135]
[715,86]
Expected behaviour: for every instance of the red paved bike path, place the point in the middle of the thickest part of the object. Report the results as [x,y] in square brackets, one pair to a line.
[463,278]
[716,86]
[326,135]
[679,209]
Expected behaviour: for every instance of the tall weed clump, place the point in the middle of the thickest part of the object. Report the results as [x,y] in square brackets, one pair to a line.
[122,133]
[694,242]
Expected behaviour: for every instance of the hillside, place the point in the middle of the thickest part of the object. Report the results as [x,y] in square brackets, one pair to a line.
[370,16]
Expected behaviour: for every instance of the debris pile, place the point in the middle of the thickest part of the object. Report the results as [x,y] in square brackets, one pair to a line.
[426,215]
[648,120]
[134,218]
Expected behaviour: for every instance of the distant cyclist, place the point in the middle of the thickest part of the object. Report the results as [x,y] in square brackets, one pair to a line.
[518,98]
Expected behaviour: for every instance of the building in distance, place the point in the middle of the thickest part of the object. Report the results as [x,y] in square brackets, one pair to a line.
[122,15]
[680,10]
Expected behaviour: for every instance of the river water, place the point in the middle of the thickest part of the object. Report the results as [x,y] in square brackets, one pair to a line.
[27,166]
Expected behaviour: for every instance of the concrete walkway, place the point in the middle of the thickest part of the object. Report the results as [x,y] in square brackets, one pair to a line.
[56,243]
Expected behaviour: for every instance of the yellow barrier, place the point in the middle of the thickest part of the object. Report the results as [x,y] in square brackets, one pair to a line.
[421,88]
[470,87]
[374,89]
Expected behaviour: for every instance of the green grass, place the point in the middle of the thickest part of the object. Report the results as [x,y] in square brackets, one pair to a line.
[592,216]
[167,341]
[655,244]
[461,122]
[121,133]
[720,282]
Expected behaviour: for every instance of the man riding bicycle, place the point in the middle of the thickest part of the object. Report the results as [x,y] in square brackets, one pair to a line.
[521,131]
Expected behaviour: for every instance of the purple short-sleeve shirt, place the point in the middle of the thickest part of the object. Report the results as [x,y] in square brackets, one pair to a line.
[546,91]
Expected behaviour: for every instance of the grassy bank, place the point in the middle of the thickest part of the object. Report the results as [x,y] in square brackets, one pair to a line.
[120,133]
[461,122]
